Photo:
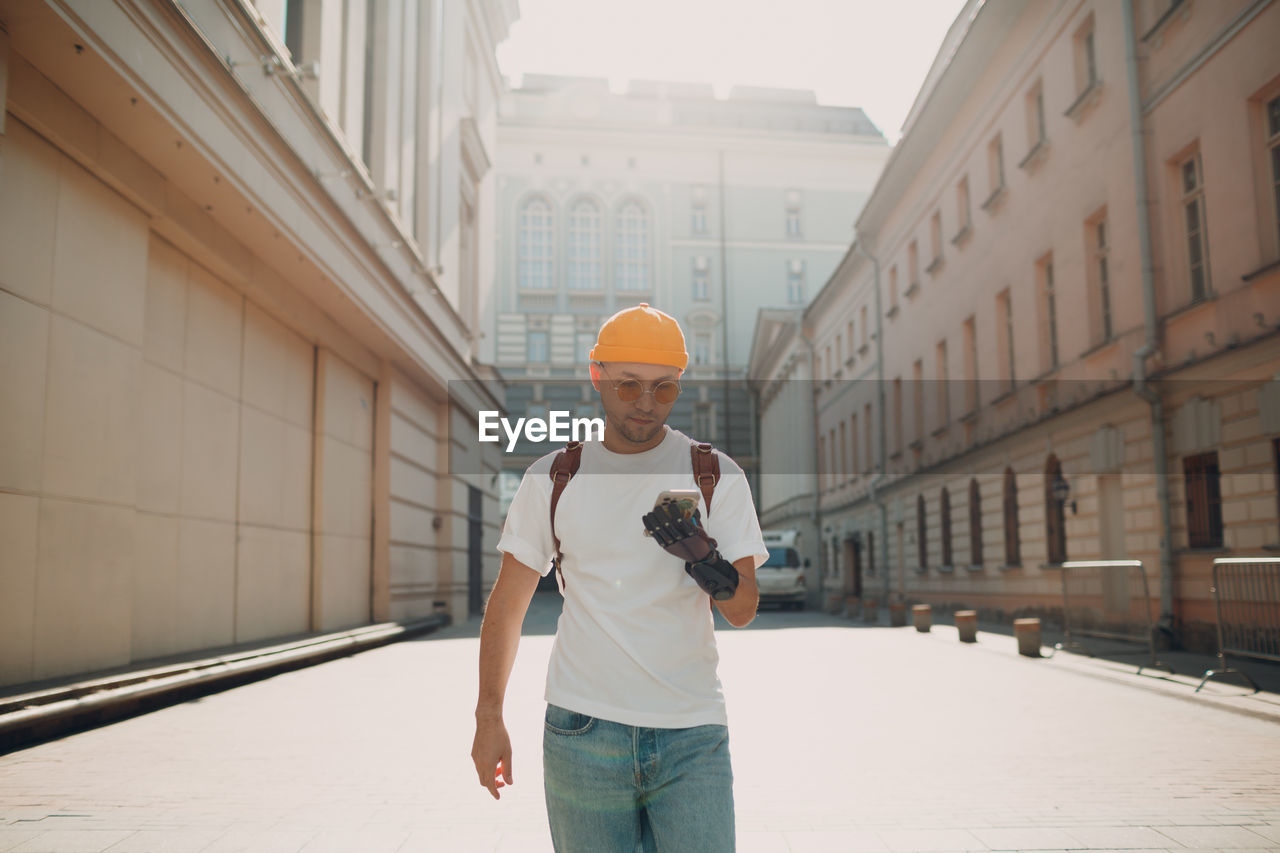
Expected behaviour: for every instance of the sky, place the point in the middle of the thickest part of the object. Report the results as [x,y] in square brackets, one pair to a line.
[872,54]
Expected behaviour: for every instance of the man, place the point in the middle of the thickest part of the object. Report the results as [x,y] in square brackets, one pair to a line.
[635,747]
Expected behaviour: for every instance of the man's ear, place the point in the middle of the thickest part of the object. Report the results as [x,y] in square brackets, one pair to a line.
[595,375]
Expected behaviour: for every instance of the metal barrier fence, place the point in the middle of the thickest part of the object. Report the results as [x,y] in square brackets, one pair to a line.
[1246,598]
[1109,600]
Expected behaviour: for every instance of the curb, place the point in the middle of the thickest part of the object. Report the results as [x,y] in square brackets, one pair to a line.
[30,718]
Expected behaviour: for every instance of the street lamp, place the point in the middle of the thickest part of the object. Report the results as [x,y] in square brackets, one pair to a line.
[1061,490]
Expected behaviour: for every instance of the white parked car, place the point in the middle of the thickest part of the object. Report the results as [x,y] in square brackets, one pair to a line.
[781,578]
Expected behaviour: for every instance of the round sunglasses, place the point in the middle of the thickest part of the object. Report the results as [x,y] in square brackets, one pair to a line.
[629,390]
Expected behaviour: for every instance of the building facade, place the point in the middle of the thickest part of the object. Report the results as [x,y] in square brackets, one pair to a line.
[1067,288]
[243,252]
[707,208]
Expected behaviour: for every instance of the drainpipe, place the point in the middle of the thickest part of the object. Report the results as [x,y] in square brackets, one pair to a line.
[882,463]
[1150,345]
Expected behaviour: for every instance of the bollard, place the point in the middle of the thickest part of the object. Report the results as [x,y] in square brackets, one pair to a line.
[967,625]
[922,616]
[897,614]
[870,611]
[1028,633]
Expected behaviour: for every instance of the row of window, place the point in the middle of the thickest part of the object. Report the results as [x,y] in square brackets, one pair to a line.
[1203,513]
[584,246]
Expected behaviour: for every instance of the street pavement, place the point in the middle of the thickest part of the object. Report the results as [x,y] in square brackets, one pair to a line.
[844,738]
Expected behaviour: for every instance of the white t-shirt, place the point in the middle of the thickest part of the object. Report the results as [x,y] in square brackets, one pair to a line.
[635,641]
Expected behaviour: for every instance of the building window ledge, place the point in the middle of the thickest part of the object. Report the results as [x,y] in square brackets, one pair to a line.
[975,567]
[1099,347]
[996,200]
[920,570]
[917,444]
[1085,103]
[892,312]
[848,362]
[1000,398]
[862,350]
[1203,549]
[1009,567]
[962,236]
[1178,10]
[970,416]
[934,265]
[1035,157]
[1189,307]
[1261,271]
[947,570]
[912,290]
[940,431]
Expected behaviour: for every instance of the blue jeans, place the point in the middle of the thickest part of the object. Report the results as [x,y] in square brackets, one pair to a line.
[612,788]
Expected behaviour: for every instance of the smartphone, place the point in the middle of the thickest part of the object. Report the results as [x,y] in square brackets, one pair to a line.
[686,499]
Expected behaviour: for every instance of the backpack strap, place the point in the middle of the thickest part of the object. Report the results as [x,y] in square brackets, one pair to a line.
[706,470]
[563,467]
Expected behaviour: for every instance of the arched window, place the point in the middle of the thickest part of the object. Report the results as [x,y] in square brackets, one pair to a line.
[536,251]
[975,523]
[584,246]
[1054,517]
[922,533]
[631,248]
[945,512]
[1012,542]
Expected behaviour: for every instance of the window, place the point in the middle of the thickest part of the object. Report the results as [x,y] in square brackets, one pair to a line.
[822,463]
[850,337]
[897,414]
[701,279]
[840,351]
[944,387]
[793,213]
[853,440]
[922,534]
[917,370]
[701,347]
[795,282]
[913,267]
[844,452]
[1055,519]
[698,215]
[871,553]
[1035,117]
[1086,57]
[1004,343]
[1012,541]
[866,419]
[584,246]
[975,523]
[962,209]
[1192,183]
[835,471]
[944,503]
[536,255]
[935,239]
[1273,144]
[970,365]
[631,265]
[893,287]
[704,421]
[585,341]
[1048,315]
[862,318]
[537,351]
[1097,250]
[1204,501]
[995,166]
[293,12]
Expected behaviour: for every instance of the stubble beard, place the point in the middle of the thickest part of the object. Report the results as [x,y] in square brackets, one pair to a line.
[637,435]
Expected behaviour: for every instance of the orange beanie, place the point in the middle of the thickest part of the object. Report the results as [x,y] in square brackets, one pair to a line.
[642,335]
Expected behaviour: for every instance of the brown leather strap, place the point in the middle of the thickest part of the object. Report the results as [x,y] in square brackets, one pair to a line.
[563,467]
[706,470]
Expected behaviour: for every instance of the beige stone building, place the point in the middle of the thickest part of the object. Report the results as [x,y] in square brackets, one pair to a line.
[243,255]
[1055,336]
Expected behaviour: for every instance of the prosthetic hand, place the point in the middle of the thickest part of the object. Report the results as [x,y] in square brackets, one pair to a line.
[686,538]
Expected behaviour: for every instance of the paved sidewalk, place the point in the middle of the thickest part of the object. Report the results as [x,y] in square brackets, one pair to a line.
[845,738]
